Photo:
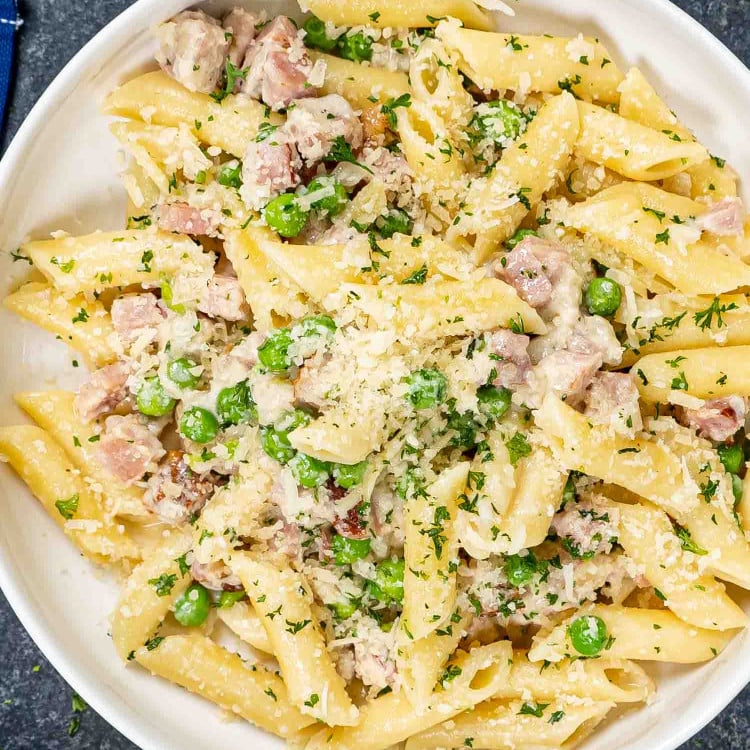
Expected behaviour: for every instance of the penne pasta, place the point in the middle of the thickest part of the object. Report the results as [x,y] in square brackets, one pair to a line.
[525,63]
[83,324]
[496,205]
[431,554]
[157,99]
[384,13]
[282,600]
[43,465]
[195,662]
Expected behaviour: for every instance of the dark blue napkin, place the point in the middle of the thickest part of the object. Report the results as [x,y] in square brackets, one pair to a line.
[9,24]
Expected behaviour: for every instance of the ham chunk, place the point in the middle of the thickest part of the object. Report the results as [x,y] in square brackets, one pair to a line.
[532,268]
[726,218]
[509,357]
[314,124]
[224,298]
[175,492]
[186,219]
[128,449]
[215,576]
[136,316]
[246,352]
[567,374]
[391,169]
[104,390]
[192,49]
[719,419]
[242,25]
[586,530]
[279,66]
[613,399]
[269,169]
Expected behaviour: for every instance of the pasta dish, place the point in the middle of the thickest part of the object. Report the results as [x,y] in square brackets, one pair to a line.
[416,396]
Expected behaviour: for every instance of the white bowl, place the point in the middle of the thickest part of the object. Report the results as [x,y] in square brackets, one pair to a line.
[60,173]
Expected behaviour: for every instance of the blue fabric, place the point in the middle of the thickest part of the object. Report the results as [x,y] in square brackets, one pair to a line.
[9,24]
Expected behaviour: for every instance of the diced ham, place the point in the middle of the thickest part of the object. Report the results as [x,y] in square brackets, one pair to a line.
[726,218]
[270,168]
[374,659]
[246,351]
[136,316]
[224,298]
[309,389]
[567,374]
[532,268]
[215,576]
[719,419]
[279,66]
[586,530]
[186,219]
[392,169]
[175,492]
[128,449]
[514,364]
[612,398]
[287,541]
[241,24]
[102,392]
[193,48]
[314,124]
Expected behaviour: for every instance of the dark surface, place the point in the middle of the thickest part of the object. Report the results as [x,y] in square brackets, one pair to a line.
[35,702]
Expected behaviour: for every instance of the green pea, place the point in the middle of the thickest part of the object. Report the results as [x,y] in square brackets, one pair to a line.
[274,439]
[179,372]
[519,237]
[499,121]
[396,221]
[318,325]
[309,471]
[427,388]
[603,297]
[355,47]
[192,608]
[588,634]
[152,400]
[388,585]
[493,402]
[465,427]
[166,296]
[235,405]
[285,216]
[273,353]
[732,456]
[347,551]
[348,476]
[315,35]
[520,570]
[343,610]
[199,425]
[230,598]
[332,205]
[230,176]
[736,488]
[276,445]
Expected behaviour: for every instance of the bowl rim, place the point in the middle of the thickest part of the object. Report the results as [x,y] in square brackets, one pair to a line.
[19,599]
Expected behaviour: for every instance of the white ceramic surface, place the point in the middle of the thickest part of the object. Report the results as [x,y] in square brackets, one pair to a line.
[60,173]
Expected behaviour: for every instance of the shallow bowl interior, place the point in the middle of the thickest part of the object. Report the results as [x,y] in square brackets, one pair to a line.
[60,173]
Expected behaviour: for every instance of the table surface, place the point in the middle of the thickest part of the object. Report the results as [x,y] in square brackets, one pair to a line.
[35,703]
